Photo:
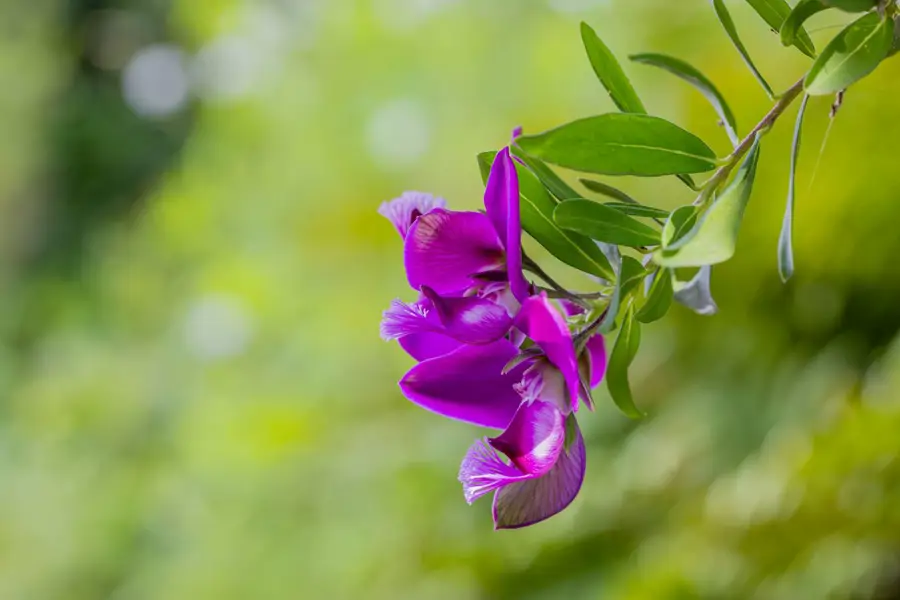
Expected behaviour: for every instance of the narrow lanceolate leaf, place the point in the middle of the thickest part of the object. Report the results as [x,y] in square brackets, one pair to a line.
[852,54]
[774,12]
[681,69]
[731,30]
[622,144]
[536,208]
[659,298]
[610,73]
[713,239]
[803,11]
[785,240]
[553,182]
[607,190]
[638,210]
[627,343]
[629,272]
[604,224]
[852,5]
[681,221]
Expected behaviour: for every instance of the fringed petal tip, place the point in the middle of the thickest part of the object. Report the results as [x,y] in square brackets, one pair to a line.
[482,471]
[403,319]
[403,211]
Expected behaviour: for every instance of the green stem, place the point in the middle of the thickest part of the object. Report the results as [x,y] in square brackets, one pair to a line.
[720,176]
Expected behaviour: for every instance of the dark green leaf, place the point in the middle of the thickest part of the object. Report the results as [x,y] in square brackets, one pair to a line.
[571,431]
[631,275]
[852,5]
[607,190]
[681,221]
[604,224]
[536,209]
[774,12]
[552,181]
[610,73]
[638,210]
[713,239]
[785,240]
[688,181]
[683,70]
[627,343]
[731,30]
[622,144]
[852,54]
[696,294]
[803,11]
[659,298]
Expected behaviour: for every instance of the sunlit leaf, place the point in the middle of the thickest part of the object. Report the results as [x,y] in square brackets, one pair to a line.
[785,240]
[625,349]
[604,224]
[681,221]
[774,12]
[803,11]
[659,298]
[536,210]
[553,182]
[713,239]
[731,30]
[852,54]
[683,70]
[622,144]
[610,73]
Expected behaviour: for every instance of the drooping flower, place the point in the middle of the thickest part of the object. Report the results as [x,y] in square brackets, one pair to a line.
[544,473]
[403,211]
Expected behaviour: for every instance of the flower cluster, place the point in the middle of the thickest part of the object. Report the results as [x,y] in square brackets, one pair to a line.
[493,350]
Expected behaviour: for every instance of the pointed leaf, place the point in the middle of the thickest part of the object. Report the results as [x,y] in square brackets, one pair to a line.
[785,240]
[683,70]
[638,210]
[696,294]
[604,224]
[536,208]
[610,73]
[713,239]
[553,182]
[607,190]
[774,12]
[803,11]
[628,276]
[622,144]
[852,54]
[681,221]
[852,5]
[731,30]
[627,343]
[659,299]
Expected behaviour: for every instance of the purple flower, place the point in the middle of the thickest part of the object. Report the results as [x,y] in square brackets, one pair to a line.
[404,211]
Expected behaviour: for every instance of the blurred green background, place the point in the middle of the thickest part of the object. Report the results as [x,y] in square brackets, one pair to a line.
[195,402]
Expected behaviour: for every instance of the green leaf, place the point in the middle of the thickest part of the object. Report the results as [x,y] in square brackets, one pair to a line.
[785,240]
[536,210]
[852,54]
[628,276]
[696,294]
[731,30]
[638,210]
[803,11]
[681,221]
[688,181]
[683,70]
[607,190]
[625,349]
[610,73]
[774,12]
[852,5]
[552,181]
[659,298]
[713,239]
[604,224]
[622,144]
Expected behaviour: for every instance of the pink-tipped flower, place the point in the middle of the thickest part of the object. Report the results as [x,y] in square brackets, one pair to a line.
[402,212]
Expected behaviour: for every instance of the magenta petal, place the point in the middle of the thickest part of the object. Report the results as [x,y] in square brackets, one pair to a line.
[501,200]
[422,346]
[540,321]
[402,212]
[471,320]
[482,471]
[534,437]
[530,501]
[468,384]
[445,249]
[596,349]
